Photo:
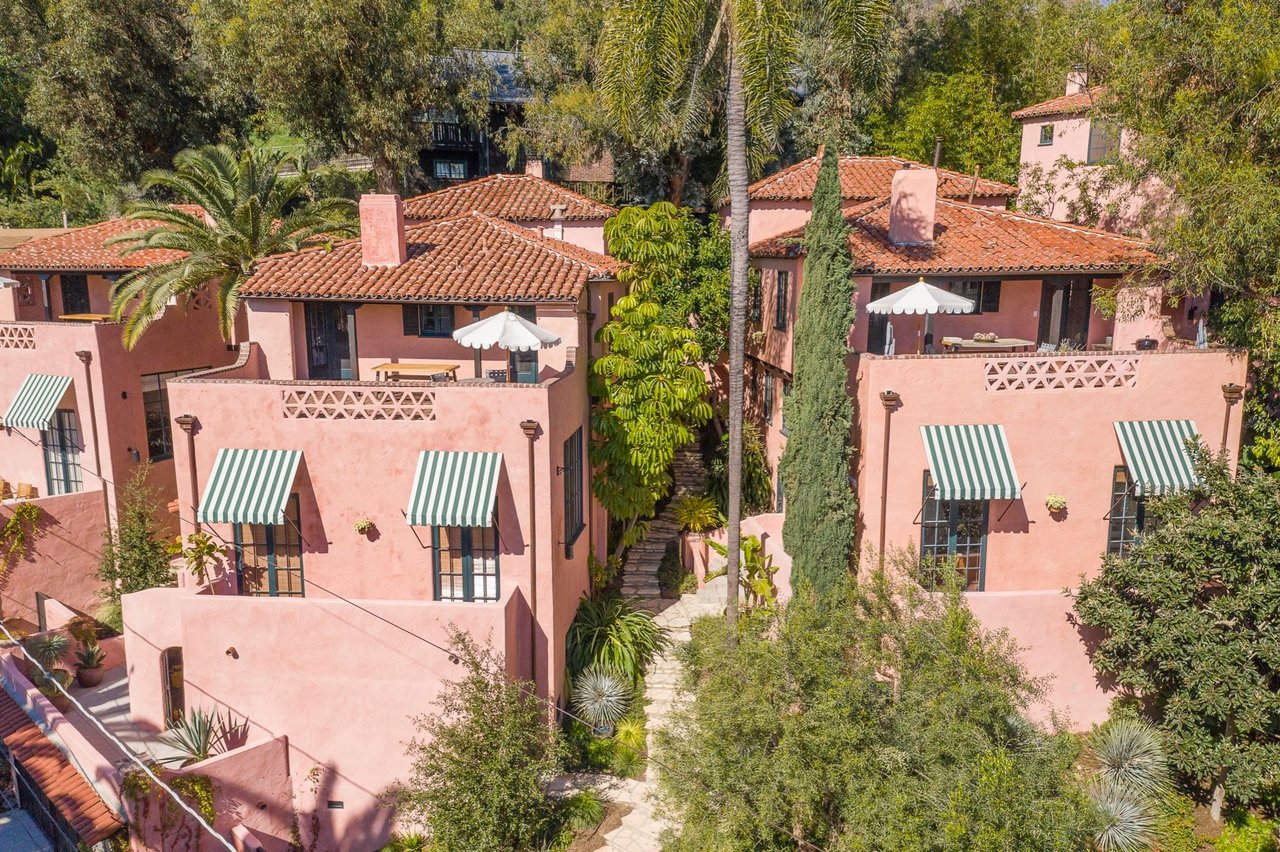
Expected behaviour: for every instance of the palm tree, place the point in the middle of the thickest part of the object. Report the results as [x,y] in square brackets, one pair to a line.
[667,66]
[242,210]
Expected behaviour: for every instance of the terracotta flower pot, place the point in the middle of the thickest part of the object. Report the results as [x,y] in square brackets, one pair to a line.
[90,677]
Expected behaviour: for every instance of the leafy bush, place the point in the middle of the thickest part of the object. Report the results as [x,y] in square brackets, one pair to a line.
[1246,832]
[1176,827]
[674,579]
[601,696]
[581,811]
[135,555]
[480,760]
[411,842]
[612,632]
[757,479]
[697,513]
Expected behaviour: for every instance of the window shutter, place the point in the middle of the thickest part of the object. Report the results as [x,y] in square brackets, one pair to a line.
[411,326]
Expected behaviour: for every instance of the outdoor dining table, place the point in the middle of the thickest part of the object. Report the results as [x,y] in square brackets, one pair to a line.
[1002,344]
[392,370]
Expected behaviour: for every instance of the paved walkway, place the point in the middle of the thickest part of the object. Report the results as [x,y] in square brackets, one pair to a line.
[640,572]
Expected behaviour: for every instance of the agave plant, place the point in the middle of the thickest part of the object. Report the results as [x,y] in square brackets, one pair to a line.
[199,735]
[1129,818]
[1129,753]
[612,632]
[601,696]
[48,649]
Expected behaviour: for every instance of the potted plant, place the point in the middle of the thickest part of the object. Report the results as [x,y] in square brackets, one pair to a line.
[364,526]
[1055,503]
[90,658]
[46,649]
[697,515]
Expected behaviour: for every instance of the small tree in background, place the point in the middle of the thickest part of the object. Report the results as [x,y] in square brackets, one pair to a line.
[135,555]
[649,388]
[821,511]
[481,759]
[1189,626]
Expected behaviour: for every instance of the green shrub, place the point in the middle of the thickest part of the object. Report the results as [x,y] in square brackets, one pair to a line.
[1246,832]
[601,696]
[674,579]
[757,479]
[411,842]
[581,811]
[697,513]
[1176,826]
[612,632]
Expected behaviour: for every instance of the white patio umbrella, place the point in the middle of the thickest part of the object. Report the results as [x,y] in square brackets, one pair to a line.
[1202,336]
[922,299]
[506,330]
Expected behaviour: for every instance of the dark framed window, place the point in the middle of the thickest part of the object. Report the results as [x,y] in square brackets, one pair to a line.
[62,453]
[953,535]
[155,410]
[465,563]
[755,299]
[573,491]
[451,169]
[175,702]
[524,365]
[1046,134]
[269,557]
[781,295]
[786,395]
[75,293]
[768,397]
[428,320]
[985,294]
[1128,513]
[779,499]
[1104,141]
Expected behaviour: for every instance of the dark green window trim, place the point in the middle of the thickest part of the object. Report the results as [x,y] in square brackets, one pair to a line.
[1128,514]
[268,546]
[574,521]
[468,555]
[61,442]
[781,298]
[428,320]
[953,530]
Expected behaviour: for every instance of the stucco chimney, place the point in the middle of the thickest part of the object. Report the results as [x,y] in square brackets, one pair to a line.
[913,206]
[533,166]
[557,221]
[382,230]
[1077,80]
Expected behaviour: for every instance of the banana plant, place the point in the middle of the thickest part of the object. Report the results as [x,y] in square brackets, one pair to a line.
[756,577]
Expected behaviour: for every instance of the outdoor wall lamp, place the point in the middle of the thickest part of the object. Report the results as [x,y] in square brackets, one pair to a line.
[1232,393]
[890,399]
[233,653]
[134,455]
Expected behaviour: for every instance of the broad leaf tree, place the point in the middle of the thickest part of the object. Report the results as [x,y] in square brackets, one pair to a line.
[1189,627]
[821,512]
[669,70]
[246,210]
[650,391]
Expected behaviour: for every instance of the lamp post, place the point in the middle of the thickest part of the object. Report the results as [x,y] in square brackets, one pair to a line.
[890,399]
[187,422]
[86,358]
[530,428]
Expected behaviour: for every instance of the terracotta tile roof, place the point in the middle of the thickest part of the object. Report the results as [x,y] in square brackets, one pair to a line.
[867,178]
[10,237]
[82,249]
[473,258]
[1075,104]
[973,240]
[516,198]
[70,792]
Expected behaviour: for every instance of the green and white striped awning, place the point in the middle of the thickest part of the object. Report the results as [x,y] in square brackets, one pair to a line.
[36,401]
[1155,451]
[971,462]
[249,486]
[454,489]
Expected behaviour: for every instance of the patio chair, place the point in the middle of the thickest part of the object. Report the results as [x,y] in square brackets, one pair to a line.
[6,491]
[497,375]
[439,377]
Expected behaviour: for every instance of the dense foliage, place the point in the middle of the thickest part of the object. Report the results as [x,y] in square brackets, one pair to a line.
[247,211]
[135,555]
[821,512]
[480,760]
[613,633]
[757,479]
[888,722]
[649,387]
[1187,627]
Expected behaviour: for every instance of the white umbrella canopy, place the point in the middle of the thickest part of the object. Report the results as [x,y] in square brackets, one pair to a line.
[506,330]
[890,345]
[921,298]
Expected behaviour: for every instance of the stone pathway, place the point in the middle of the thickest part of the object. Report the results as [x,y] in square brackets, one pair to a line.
[640,572]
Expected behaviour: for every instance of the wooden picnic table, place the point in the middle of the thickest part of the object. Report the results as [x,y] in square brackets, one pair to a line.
[392,370]
[85,317]
[1003,344]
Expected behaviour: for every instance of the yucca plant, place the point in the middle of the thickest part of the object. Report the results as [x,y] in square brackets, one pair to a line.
[200,735]
[48,649]
[613,632]
[601,696]
[1129,818]
[1128,752]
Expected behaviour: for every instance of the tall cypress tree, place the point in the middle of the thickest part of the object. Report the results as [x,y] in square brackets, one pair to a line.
[821,510]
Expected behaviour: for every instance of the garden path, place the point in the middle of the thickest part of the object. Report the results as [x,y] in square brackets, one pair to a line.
[640,572]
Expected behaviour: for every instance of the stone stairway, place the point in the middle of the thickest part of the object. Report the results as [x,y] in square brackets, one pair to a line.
[641,828]
[640,572]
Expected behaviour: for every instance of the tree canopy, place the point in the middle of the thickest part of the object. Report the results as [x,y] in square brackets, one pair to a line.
[1188,626]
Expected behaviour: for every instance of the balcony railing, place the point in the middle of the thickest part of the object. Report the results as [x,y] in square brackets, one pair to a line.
[450,133]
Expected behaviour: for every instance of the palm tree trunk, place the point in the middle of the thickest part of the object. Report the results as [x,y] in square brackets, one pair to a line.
[736,161]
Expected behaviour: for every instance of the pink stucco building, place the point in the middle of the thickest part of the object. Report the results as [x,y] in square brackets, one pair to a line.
[81,411]
[376,486]
[958,447]
[1067,158]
